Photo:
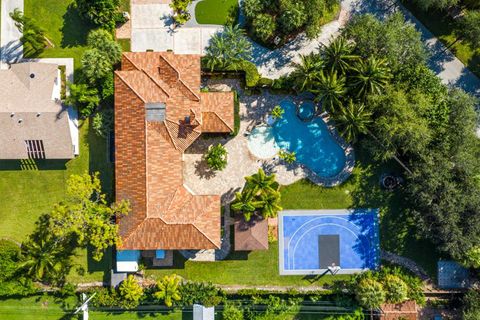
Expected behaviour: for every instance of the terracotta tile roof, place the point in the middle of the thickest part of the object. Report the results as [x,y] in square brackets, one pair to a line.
[251,235]
[148,154]
[406,310]
[217,111]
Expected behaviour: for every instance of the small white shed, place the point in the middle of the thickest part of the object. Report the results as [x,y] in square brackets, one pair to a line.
[203,313]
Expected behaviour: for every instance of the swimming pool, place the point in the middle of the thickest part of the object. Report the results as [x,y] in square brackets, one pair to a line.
[312,240]
[311,141]
[261,143]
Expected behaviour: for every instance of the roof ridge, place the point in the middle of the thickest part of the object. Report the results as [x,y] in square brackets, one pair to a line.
[125,54]
[203,234]
[156,82]
[221,119]
[190,90]
[179,78]
[169,133]
[128,85]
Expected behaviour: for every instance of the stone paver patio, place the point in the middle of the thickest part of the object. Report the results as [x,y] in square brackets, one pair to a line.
[241,163]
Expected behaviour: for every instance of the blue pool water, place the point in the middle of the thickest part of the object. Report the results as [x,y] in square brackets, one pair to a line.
[299,232]
[311,141]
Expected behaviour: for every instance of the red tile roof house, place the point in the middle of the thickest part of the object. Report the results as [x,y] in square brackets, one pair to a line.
[159,113]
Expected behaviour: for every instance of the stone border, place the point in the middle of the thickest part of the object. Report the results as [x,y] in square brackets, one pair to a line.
[347,170]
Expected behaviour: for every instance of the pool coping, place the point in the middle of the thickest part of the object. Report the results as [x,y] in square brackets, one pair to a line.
[302,212]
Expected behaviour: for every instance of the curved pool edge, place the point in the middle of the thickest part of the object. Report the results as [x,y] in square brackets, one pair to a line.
[347,170]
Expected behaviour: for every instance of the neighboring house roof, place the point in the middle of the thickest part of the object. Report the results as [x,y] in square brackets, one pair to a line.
[251,235]
[159,113]
[406,310]
[33,122]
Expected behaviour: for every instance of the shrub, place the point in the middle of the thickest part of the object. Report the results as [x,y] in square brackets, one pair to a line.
[105,297]
[396,289]
[102,122]
[287,156]
[216,157]
[95,66]
[277,112]
[130,292]
[168,289]
[265,82]
[100,12]
[263,27]
[203,293]
[84,98]
[227,47]
[251,73]
[370,293]
[471,305]
[181,14]
[236,110]
[232,312]
[103,41]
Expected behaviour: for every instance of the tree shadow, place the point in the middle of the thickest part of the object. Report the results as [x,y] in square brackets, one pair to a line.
[75,28]
[203,170]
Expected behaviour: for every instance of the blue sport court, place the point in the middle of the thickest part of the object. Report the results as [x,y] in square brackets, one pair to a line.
[311,241]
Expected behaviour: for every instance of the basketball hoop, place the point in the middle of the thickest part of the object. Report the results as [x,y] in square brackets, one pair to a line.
[334,269]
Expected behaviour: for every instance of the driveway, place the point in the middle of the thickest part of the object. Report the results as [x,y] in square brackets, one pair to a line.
[152,29]
[11,49]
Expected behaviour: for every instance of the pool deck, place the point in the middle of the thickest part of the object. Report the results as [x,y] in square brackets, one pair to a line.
[241,163]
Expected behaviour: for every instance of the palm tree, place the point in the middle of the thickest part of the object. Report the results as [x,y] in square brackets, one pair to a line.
[270,204]
[260,183]
[168,289]
[42,260]
[244,202]
[353,120]
[306,71]
[371,76]
[330,89]
[338,55]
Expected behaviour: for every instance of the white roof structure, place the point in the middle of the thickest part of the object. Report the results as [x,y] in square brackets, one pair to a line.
[203,313]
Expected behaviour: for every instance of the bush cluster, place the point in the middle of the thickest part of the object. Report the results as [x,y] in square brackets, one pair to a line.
[273,22]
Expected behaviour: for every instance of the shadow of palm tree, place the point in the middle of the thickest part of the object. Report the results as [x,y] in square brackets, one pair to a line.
[75,28]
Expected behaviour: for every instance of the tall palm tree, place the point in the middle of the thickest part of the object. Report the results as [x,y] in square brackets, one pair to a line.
[353,120]
[370,76]
[260,183]
[306,71]
[270,204]
[245,203]
[338,55]
[42,260]
[168,289]
[330,89]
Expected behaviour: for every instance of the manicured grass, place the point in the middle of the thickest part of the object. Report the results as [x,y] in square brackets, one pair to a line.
[362,190]
[29,189]
[51,308]
[242,268]
[64,26]
[443,27]
[216,11]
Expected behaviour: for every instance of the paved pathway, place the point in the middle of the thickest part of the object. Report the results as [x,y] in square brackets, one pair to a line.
[152,28]
[11,49]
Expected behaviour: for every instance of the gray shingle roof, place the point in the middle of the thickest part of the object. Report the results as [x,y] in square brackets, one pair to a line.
[28,111]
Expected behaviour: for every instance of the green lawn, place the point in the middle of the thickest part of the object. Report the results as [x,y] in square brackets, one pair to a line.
[363,190]
[216,11]
[63,25]
[254,268]
[50,308]
[29,189]
[443,28]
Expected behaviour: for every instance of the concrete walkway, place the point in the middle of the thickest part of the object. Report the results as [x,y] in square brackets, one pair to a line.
[153,28]
[11,49]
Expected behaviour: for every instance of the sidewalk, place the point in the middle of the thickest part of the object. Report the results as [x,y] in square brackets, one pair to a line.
[11,49]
